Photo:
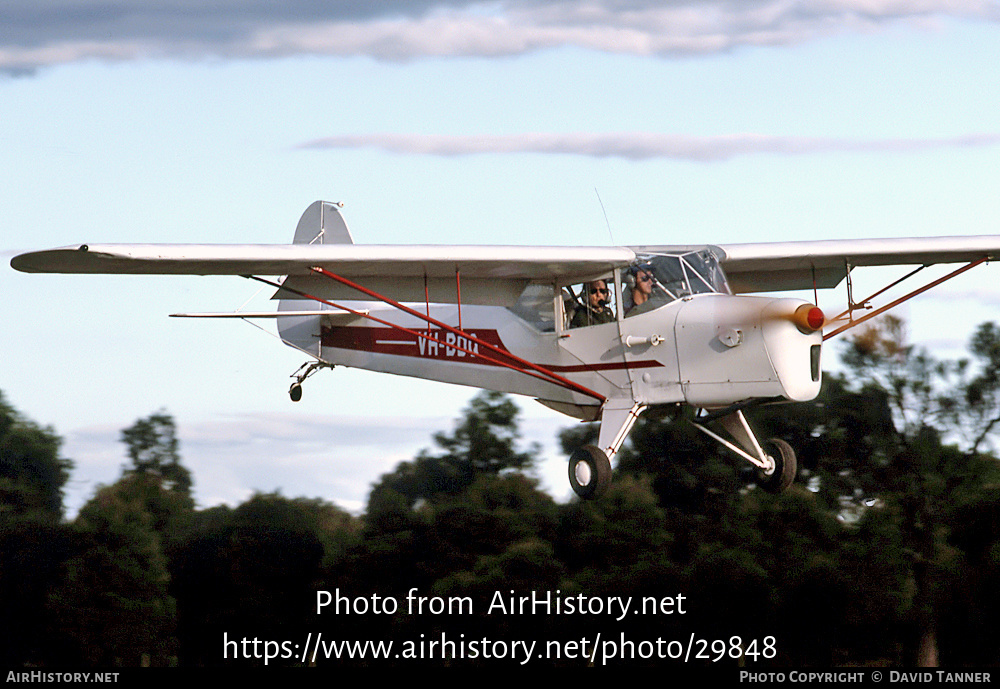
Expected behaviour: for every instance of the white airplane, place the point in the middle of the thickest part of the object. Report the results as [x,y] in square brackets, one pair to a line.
[597,333]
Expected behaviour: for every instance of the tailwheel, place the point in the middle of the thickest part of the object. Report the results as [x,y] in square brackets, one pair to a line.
[785,467]
[305,370]
[589,472]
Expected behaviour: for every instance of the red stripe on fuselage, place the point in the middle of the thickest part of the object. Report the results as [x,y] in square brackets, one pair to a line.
[439,344]
[617,366]
[442,345]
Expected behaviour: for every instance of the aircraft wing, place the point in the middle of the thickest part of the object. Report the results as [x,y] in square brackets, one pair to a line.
[498,274]
[793,265]
[486,274]
[350,260]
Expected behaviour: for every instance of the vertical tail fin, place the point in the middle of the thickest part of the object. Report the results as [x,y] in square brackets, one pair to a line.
[322,223]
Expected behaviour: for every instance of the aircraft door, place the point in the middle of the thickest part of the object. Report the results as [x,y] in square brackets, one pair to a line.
[650,353]
[591,338]
[652,289]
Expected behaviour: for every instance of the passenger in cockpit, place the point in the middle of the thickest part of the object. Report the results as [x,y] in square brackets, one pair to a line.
[596,309]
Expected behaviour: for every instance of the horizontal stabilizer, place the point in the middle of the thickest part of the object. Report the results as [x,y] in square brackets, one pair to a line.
[272,314]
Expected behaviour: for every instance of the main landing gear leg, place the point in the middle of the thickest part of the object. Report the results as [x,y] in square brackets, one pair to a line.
[775,460]
[590,465]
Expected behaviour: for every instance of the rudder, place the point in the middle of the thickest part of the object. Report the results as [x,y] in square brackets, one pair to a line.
[322,223]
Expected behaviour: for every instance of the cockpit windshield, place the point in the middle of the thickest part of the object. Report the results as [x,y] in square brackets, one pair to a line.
[657,279]
[650,282]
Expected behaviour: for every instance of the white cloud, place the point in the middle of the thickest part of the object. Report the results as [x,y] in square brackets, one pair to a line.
[638,146]
[40,34]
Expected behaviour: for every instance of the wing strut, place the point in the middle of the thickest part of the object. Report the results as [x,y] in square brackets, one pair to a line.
[458,292]
[897,302]
[523,366]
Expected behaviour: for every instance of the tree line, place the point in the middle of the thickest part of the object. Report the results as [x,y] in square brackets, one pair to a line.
[886,550]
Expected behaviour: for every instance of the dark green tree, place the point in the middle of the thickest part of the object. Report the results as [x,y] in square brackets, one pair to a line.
[112,607]
[32,474]
[154,450]
[975,410]
[888,461]
[113,604]
[34,542]
[484,442]
[254,571]
[450,519]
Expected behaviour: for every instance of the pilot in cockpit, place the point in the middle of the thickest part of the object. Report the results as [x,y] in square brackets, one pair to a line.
[641,291]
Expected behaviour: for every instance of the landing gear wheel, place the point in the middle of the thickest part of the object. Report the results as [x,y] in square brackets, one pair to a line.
[589,472]
[785,466]
[295,392]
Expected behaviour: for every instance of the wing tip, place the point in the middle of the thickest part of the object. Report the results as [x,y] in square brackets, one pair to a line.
[67,259]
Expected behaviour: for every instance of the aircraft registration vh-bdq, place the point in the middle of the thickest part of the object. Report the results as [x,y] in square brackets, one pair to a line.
[598,333]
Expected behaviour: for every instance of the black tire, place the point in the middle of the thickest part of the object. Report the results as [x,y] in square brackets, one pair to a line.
[785,467]
[589,472]
[295,392]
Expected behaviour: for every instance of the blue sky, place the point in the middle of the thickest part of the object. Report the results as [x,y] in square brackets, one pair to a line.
[441,122]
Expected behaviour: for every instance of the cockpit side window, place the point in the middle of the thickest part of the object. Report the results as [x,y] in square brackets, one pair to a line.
[535,306]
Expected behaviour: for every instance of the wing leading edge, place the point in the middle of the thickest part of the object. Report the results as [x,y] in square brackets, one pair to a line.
[351,260]
[488,274]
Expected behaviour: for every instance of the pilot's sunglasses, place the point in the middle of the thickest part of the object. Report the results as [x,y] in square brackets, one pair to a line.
[645,277]
[598,290]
